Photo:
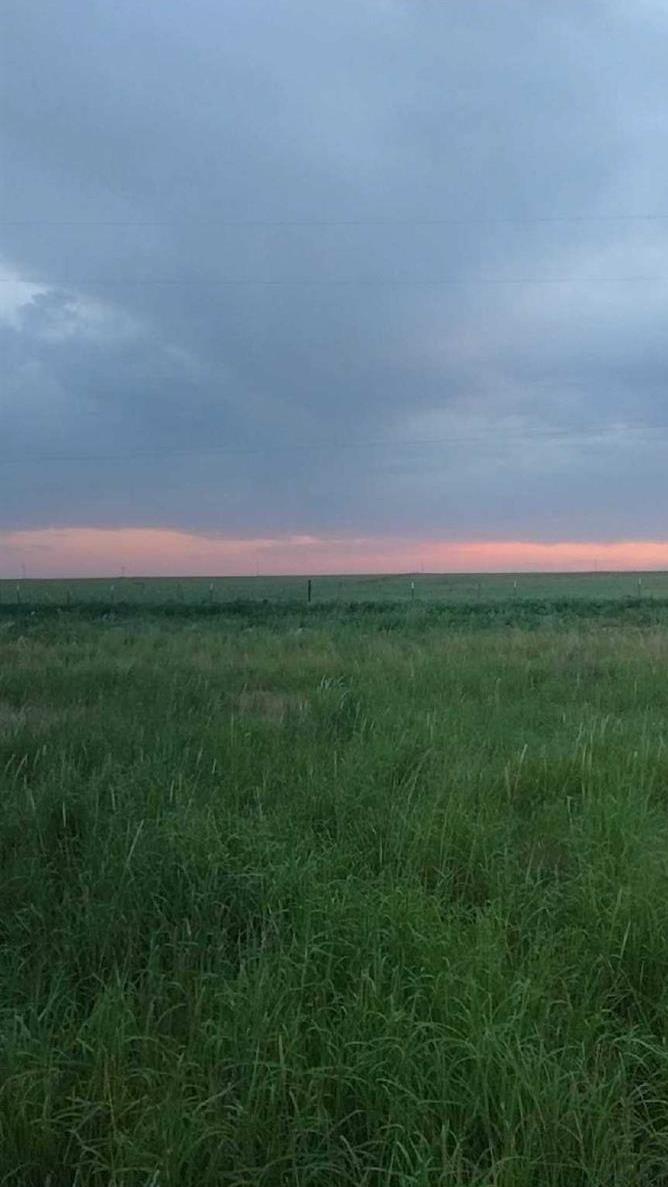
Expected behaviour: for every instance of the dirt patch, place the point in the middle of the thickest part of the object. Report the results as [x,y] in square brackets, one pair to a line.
[266,705]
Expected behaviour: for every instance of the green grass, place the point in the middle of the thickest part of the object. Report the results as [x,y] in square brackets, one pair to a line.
[371,897]
[460,588]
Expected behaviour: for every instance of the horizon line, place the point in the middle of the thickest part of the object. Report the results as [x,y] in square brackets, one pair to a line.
[311,575]
[109,553]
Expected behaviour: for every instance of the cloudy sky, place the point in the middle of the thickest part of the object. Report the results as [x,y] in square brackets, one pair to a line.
[325,286]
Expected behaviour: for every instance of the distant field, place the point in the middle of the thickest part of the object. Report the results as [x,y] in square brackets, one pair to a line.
[361,897]
[458,587]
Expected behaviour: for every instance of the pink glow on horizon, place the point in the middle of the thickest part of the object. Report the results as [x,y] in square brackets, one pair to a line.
[99,552]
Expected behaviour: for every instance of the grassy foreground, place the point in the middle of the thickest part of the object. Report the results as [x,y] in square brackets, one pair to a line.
[377,899]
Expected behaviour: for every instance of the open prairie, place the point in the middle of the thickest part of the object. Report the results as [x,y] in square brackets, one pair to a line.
[356,894]
[426,587]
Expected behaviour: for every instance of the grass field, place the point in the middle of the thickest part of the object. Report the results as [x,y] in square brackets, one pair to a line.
[426,587]
[370,897]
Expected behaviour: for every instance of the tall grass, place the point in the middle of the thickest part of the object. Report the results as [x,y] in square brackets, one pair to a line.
[335,903]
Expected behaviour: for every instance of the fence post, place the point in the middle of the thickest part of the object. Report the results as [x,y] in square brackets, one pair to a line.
[309,591]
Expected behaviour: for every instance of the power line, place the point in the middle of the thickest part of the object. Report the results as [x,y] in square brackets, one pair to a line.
[479,220]
[513,436]
[333,282]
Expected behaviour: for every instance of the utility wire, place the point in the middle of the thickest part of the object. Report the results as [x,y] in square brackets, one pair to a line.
[513,436]
[342,282]
[474,220]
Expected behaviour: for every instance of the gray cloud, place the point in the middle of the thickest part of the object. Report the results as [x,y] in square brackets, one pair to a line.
[250,229]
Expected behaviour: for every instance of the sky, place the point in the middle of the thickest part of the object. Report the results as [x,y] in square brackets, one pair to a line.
[360,286]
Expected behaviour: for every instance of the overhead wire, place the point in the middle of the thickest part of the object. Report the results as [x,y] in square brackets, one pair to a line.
[515,436]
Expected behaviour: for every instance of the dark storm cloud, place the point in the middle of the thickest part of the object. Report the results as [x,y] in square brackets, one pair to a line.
[409,177]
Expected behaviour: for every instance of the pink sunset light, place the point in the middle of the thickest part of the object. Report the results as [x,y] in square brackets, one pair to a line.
[90,552]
